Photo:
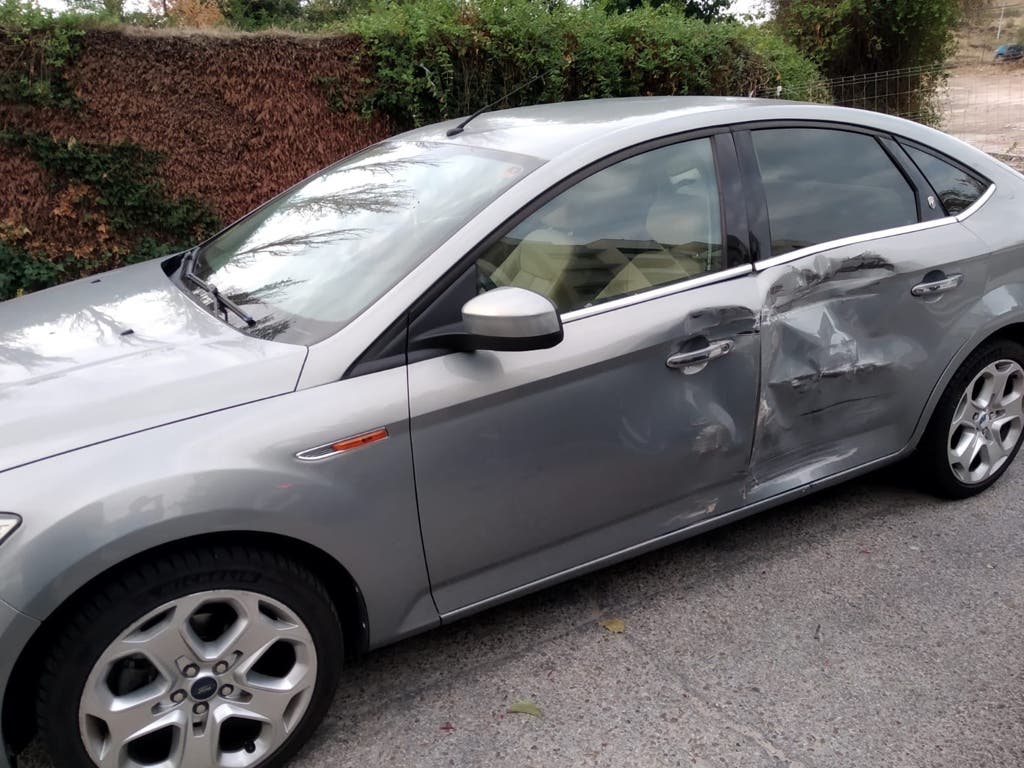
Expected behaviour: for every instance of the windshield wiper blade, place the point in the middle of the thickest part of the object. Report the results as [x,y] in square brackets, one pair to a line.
[222,302]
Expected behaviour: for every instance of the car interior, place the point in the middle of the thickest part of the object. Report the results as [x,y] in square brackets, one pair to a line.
[647,221]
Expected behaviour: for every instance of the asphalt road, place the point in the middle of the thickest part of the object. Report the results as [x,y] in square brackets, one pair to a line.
[869,626]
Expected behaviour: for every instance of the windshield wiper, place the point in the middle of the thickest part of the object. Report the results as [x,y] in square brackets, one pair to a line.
[222,302]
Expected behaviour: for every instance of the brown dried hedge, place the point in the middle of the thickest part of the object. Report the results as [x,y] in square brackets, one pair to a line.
[236,119]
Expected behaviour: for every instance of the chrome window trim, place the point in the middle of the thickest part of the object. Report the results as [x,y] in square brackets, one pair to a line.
[657,293]
[977,203]
[785,258]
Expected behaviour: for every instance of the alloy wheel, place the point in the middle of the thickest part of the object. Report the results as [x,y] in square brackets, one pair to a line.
[987,422]
[212,679]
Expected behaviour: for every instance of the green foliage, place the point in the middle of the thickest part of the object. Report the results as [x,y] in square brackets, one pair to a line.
[436,59]
[258,14]
[21,272]
[854,37]
[705,10]
[850,37]
[337,91]
[40,46]
[125,197]
[125,186]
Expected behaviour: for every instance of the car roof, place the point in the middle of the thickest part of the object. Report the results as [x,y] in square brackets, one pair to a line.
[547,131]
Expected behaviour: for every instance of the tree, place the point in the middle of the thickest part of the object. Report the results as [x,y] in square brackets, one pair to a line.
[113,9]
[189,13]
[852,37]
[705,10]
[846,38]
[255,14]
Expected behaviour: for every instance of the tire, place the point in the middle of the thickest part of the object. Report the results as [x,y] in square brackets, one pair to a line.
[147,650]
[969,444]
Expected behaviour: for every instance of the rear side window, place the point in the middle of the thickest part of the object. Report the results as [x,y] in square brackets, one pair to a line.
[957,189]
[824,185]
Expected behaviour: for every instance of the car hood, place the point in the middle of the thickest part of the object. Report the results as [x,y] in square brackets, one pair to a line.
[128,350]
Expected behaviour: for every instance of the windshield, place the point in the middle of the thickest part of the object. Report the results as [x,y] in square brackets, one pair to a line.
[308,262]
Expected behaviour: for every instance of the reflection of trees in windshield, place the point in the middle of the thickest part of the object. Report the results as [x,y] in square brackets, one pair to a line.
[267,293]
[268,328]
[373,198]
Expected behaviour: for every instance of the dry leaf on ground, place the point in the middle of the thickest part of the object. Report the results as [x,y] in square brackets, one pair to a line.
[525,707]
[615,626]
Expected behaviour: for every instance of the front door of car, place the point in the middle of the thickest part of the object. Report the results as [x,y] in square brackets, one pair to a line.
[865,290]
[532,464]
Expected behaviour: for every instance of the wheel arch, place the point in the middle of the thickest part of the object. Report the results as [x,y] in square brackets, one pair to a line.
[1008,330]
[17,720]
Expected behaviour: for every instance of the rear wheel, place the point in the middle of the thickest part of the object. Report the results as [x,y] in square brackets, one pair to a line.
[976,429]
[219,657]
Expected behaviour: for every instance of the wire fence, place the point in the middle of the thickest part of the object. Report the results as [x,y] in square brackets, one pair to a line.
[978,96]
[982,104]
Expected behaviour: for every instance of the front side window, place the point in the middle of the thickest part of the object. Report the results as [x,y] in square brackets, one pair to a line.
[957,189]
[308,262]
[824,185]
[648,221]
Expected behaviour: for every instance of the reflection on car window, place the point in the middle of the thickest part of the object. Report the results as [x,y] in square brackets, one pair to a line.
[825,185]
[647,221]
[958,190]
[310,261]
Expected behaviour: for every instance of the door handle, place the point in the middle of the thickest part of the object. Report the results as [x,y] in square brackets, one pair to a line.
[933,287]
[701,357]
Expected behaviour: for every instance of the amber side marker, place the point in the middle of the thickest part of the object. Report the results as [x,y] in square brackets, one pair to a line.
[342,446]
[360,440]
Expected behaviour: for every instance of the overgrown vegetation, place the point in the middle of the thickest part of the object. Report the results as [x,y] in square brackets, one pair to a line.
[115,192]
[96,205]
[847,38]
[435,59]
[39,47]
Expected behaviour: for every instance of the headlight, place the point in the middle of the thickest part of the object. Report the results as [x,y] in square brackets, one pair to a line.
[7,525]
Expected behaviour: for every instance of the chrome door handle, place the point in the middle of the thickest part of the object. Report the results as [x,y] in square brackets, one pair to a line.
[937,286]
[700,357]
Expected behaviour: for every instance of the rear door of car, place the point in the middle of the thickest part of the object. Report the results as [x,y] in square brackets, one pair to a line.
[533,465]
[864,278]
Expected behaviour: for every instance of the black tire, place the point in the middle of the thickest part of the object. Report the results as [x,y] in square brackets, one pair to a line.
[934,473]
[98,620]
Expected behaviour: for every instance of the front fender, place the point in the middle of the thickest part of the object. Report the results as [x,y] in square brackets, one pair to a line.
[235,470]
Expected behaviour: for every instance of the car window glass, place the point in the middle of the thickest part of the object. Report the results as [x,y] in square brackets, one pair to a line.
[824,185]
[651,220]
[957,189]
[308,262]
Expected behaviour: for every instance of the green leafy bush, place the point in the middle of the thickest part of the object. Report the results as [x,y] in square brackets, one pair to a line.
[847,38]
[42,45]
[436,59]
[124,198]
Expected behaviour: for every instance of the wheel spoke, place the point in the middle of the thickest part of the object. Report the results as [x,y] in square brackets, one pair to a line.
[982,390]
[965,413]
[126,718]
[197,745]
[261,631]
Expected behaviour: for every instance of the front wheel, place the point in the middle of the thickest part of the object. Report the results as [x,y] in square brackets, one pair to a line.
[207,659]
[977,426]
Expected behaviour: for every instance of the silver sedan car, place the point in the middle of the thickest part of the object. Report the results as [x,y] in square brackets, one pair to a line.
[464,364]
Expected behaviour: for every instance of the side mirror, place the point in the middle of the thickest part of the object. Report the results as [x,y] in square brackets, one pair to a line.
[511,319]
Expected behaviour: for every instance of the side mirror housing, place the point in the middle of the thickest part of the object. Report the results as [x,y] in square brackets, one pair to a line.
[512,319]
[505,319]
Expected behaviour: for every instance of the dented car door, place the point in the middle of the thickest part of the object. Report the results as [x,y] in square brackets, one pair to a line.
[856,329]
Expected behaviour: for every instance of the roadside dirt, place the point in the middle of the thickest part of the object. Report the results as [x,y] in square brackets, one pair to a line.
[984,105]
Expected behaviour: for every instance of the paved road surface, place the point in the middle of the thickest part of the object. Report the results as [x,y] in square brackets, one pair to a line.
[866,627]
